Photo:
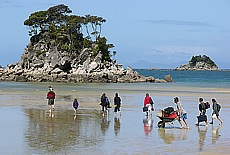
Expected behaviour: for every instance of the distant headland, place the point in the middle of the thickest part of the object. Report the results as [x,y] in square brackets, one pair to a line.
[199,63]
[69,48]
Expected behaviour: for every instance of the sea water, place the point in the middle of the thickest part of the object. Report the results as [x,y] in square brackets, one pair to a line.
[220,78]
[25,119]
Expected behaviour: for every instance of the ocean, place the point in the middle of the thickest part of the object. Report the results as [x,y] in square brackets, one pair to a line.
[214,79]
[211,79]
[26,121]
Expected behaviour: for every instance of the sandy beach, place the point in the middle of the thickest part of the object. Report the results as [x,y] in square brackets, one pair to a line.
[25,119]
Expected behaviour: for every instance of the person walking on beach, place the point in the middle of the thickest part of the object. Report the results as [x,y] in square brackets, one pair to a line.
[216,109]
[182,114]
[148,102]
[202,108]
[104,104]
[51,97]
[117,104]
[75,106]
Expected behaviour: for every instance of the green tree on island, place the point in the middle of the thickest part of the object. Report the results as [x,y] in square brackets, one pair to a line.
[199,58]
[59,27]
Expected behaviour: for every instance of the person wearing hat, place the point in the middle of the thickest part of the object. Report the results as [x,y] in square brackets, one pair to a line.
[51,97]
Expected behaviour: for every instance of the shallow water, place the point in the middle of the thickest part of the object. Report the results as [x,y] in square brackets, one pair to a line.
[37,131]
[29,128]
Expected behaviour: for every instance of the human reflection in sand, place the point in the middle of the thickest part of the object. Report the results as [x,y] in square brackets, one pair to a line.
[202,130]
[167,135]
[183,134]
[46,133]
[51,113]
[215,133]
[172,134]
[55,135]
[148,125]
[117,125]
[105,122]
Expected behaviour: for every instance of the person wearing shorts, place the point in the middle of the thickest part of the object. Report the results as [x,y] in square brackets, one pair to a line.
[216,110]
[51,97]
[182,114]
[117,104]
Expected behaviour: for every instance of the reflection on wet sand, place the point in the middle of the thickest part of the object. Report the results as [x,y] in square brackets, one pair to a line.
[48,134]
[172,134]
[117,125]
[202,135]
[167,135]
[183,134]
[105,122]
[148,125]
[215,133]
[51,113]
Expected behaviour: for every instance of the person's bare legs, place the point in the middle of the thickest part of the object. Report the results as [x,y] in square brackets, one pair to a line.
[220,120]
[181,125]
[212,121]
[75,111]
[186,123]
[52,107]
[179,120]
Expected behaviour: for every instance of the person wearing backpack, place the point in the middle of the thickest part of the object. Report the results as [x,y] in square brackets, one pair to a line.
[216,109]
[104,104]
[202,108]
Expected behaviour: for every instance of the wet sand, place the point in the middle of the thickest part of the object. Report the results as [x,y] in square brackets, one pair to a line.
[29,128]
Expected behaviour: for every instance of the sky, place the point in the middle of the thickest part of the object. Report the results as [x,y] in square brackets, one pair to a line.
[146,34]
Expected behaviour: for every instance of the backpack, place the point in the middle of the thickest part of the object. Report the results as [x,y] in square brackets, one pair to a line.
[207,105]
[218,107]
[168,110]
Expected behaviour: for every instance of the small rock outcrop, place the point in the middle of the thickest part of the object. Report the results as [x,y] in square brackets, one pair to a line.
[199,63]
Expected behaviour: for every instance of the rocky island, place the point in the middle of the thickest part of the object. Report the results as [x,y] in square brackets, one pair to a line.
[199,63]
[68,48]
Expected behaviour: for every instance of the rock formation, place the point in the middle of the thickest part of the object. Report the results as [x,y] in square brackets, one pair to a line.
[59,52]
[199,63]
[57,66]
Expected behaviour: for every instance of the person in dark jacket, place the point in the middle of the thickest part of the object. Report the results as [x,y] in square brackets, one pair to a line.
[117,104]
[202,108]
[75,106]
[216,110]
[104,104]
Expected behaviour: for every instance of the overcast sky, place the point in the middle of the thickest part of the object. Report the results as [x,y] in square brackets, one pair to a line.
[146,34]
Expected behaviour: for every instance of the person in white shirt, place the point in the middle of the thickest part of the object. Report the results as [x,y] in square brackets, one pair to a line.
[182,114]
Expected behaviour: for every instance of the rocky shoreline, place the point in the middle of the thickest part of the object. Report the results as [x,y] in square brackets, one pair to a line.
[64,67]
